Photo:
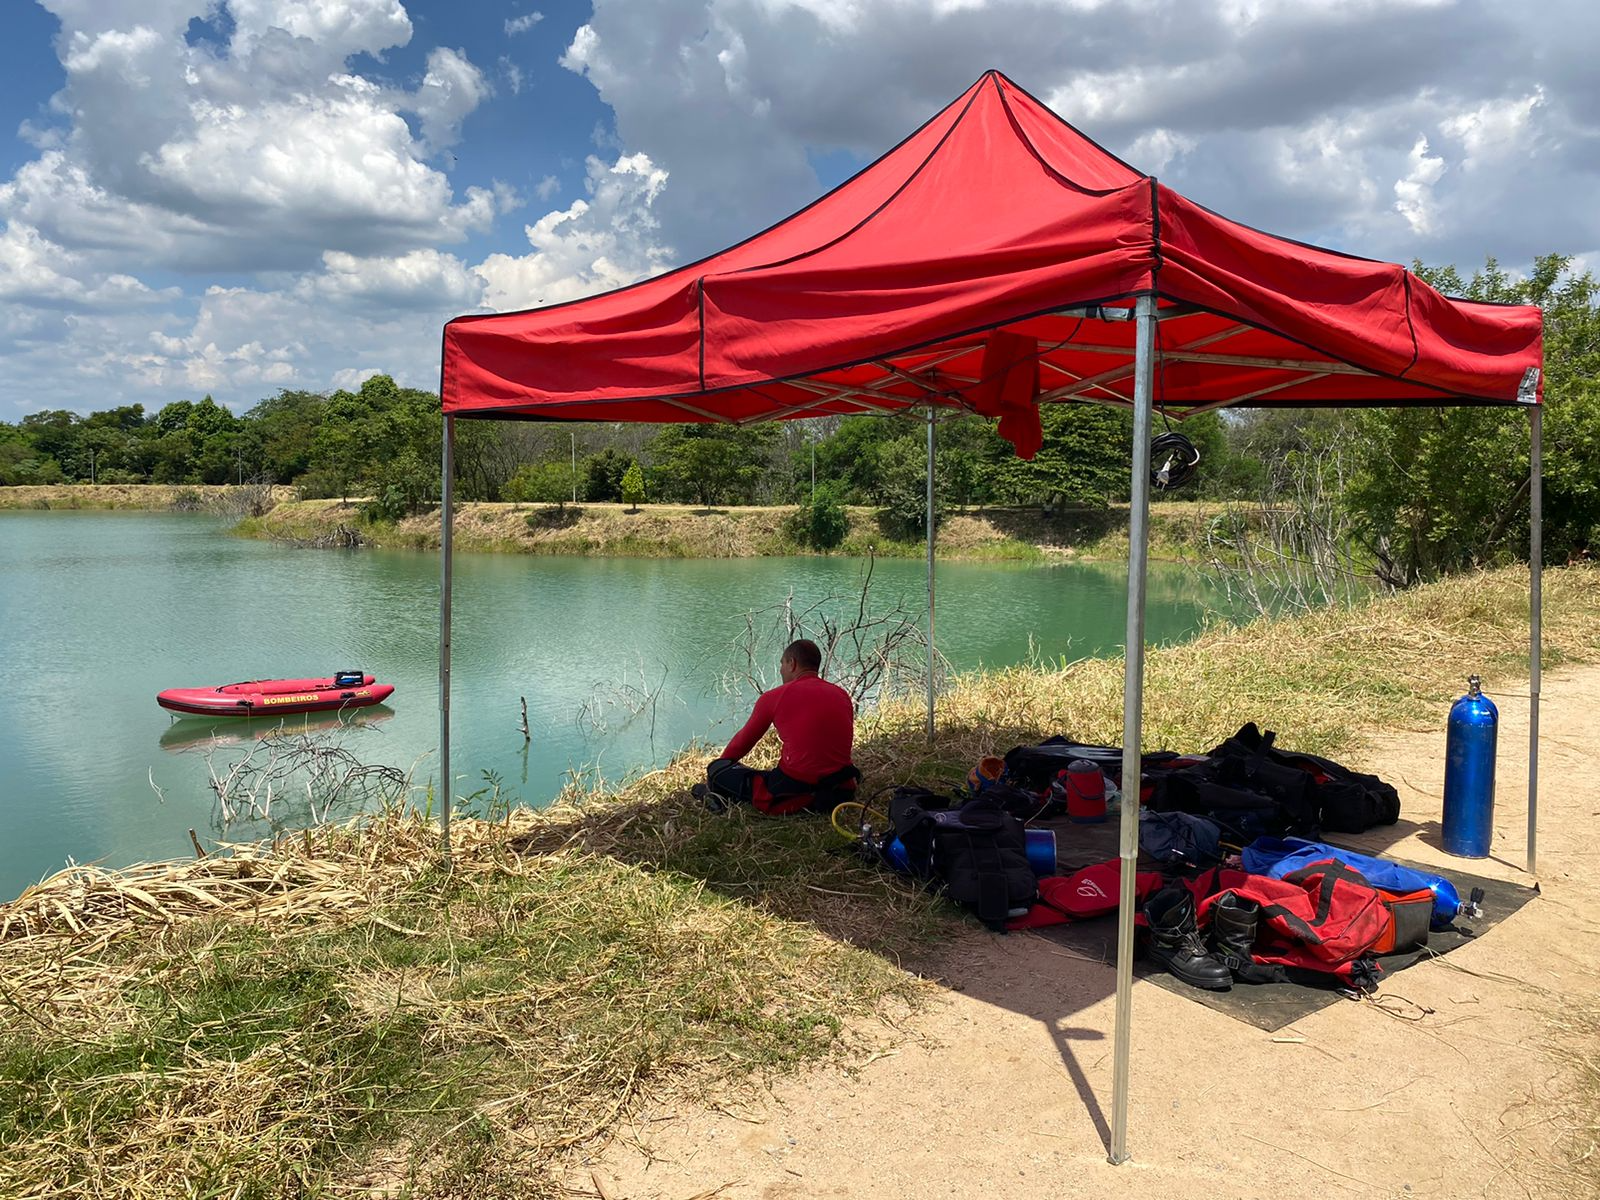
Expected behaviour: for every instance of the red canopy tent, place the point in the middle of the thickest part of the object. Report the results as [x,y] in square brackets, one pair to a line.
[996,214]
[994,260]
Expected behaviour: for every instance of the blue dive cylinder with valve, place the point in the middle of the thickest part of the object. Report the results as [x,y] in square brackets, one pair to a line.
[1469,774]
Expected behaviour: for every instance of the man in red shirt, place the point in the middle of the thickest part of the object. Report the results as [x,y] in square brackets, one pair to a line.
[815,720]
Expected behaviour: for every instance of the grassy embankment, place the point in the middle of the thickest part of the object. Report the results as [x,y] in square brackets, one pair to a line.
[340,1010]
[145,497]
[656,530]
[681,531]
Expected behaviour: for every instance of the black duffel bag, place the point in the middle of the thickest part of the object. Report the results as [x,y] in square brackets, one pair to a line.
[1344,801]
[1248,761]
[1036,767]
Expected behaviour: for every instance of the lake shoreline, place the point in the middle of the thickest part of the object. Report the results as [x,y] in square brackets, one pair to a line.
[130,497]
[1020,535]
[683,531]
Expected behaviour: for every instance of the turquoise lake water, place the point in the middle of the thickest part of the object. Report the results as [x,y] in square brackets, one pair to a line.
[100,611]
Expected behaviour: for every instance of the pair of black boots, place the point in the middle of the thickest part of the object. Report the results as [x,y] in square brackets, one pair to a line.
[1176,944]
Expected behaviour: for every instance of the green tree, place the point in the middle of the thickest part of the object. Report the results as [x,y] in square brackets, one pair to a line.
[850,455]
[713,464]
[1439,489]
[217,448]
[342,446]
[57,434]
[541,483]
[1083,459]
[822,523]
[173,456]
[901,488]
[285,426]
[401,487]
[602,476]
[22,464]
[633,486]
[966,452]
[173,417]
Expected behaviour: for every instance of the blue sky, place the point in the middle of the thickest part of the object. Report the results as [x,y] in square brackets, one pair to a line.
[236,196]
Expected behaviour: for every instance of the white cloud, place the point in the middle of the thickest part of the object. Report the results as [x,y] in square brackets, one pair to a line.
[1414,193]
[450,91]
[425,280]
[547,187]
[34,270]
[352,378]
[516,25]
[608,241]
[1298,116]
[237,343]
[324,32]
[511,73]
[257,156]
[1155,151]
[241,343]
[1493,129]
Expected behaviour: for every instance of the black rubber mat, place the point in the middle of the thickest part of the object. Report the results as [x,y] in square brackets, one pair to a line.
[1268,1006]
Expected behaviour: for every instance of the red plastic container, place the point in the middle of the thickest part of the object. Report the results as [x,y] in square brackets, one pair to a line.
[1085,788]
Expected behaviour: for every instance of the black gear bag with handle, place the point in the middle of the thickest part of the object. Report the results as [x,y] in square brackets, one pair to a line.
[978,852]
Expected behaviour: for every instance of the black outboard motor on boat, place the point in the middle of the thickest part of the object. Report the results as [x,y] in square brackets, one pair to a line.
[344,679]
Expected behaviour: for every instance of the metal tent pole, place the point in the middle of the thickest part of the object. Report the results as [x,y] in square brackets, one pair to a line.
[1535,618]
[447,520]
[1132,711]
[931,658]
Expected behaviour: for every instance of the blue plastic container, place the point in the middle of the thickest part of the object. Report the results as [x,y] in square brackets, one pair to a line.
[894,852]
[1469,774]
[1041,851]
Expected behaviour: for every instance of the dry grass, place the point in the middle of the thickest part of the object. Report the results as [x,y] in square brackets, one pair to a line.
[280,1019]
[683,531]
[155,497]
[1320,679]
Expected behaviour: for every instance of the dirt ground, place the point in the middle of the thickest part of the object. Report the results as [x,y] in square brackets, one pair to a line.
[1003,1085]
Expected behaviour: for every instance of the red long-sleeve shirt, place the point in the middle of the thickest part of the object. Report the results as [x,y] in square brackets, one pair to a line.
[815,720]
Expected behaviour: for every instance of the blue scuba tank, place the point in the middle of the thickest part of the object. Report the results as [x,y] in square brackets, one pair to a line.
[1469,774]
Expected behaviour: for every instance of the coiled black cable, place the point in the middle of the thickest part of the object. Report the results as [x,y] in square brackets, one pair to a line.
[1173,461]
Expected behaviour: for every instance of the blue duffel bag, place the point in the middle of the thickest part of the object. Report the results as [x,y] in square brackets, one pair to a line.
[1278,857]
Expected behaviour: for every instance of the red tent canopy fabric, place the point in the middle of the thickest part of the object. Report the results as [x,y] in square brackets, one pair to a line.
[990,261]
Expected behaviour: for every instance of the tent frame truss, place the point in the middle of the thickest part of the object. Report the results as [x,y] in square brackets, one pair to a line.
[936,389]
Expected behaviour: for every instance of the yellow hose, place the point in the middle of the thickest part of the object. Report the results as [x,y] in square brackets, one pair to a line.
[853,820]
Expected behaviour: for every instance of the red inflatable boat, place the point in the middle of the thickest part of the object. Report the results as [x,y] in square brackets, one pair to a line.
[269,697]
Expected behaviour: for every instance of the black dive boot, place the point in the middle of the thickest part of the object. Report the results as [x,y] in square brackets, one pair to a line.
[1175,941]
[1233,938]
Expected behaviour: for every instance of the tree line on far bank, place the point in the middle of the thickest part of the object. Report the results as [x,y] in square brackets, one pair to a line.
[1426,490]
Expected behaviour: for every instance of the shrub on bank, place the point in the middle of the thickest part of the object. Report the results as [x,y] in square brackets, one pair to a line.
[821,524]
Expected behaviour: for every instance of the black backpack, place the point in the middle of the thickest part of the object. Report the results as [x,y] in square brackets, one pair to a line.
[979,852]
[1340,800]
[1248,761]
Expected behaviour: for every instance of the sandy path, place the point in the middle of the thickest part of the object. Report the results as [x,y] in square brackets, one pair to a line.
[1005,1086]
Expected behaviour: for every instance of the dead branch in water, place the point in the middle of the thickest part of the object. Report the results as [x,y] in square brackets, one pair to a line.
[869,650]
[1295,548]
[616,705]
[281,768]
[255,497]
[341,538]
